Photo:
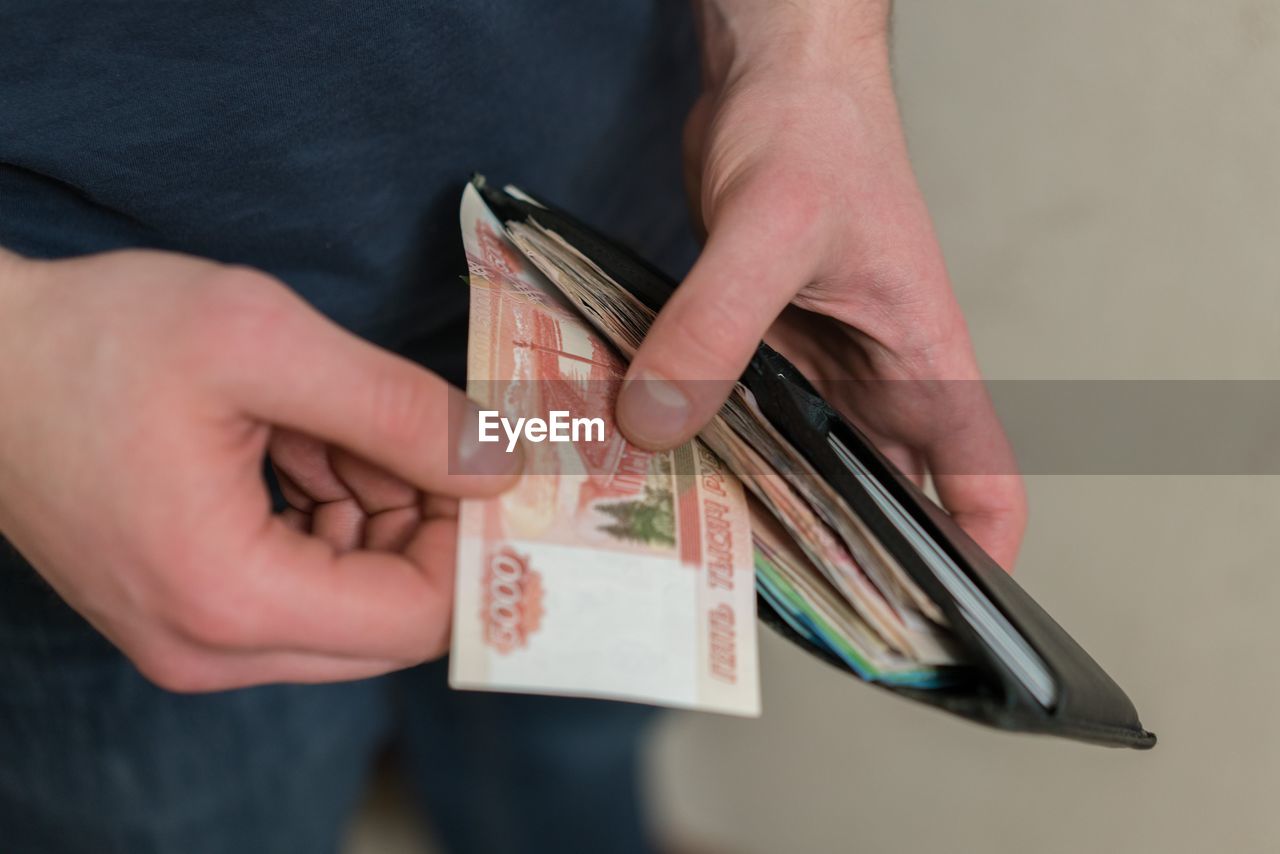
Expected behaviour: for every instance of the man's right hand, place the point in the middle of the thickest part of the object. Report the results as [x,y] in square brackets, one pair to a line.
[139,394]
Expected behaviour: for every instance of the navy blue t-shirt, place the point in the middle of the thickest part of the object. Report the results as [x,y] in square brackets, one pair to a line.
[327,141]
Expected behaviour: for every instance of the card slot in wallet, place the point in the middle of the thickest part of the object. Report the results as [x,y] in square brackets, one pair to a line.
[1028,674]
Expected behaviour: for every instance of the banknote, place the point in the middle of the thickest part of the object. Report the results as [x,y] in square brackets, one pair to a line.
[608,570]
[817,564]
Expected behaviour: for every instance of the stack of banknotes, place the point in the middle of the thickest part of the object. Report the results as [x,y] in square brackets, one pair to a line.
[613,571]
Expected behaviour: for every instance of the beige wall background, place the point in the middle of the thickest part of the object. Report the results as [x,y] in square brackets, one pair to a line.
[1105,178]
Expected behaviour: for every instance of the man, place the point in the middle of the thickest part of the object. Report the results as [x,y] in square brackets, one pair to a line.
[197,198]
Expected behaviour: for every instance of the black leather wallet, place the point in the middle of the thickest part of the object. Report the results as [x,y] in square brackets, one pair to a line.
[1029,674]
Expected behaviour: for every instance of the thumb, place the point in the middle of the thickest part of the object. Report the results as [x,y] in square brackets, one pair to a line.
[704,336]
[311,376]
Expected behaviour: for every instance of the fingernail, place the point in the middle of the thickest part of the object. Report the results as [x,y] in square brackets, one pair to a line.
[653,411]
[476,457]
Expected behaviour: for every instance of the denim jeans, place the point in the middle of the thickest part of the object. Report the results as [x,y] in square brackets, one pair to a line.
[93,758]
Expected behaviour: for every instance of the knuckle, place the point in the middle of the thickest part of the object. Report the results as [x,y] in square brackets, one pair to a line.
[209,619]
[233,282]
[178,671]
[235,309]
[788,206]
[796,207]
[918,332]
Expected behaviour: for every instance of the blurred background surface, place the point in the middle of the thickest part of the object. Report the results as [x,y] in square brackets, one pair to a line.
[1105,179]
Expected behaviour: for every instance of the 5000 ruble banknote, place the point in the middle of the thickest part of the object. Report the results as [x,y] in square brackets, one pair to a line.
[609,570]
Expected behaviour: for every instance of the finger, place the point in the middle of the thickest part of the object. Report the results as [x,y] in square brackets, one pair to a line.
[376,489]
[294,495]
[341,524]
[975,473]
[307,597]
[308,481]
[703,338]
[351,502]
[226,672]
[906,459]
[296,519]
[179,666]
[439,507]
[692,142]
[305,463]
[332,386]
[990,508]
[394,530]
[391,530]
